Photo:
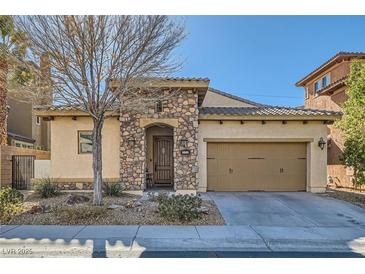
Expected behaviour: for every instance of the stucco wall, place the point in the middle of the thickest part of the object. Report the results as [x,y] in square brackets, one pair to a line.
[213,99]
[65,160]
[42,169]
[316,158]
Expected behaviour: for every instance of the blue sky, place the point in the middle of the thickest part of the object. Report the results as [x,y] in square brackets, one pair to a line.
[261,57]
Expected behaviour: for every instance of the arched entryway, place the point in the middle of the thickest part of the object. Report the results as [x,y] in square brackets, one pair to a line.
[159,156]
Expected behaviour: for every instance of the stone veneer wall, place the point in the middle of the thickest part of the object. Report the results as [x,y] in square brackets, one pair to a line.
[183,106]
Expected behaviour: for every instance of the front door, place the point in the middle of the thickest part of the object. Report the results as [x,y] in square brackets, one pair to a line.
[163,160]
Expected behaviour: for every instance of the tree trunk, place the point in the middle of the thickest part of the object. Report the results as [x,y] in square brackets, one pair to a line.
[3,103]
[97,161]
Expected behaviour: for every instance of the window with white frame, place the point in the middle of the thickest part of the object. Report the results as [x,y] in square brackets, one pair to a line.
[306,93]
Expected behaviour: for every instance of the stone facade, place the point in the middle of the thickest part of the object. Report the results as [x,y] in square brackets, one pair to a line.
[182,106]
[337,172]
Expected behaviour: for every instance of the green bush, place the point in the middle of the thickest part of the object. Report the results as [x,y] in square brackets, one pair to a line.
[80,214]
[47,189]
[111,189]
[11,203]
[179,207]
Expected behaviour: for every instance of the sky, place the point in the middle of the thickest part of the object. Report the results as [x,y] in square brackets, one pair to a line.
[262,57]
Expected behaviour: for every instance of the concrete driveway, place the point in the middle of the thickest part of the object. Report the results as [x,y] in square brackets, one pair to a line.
[286,209]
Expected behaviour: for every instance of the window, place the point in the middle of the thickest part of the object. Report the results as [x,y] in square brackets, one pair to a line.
[325,81]
[38,121]
[322,83]
[317,86]
[85,142]
[159,106]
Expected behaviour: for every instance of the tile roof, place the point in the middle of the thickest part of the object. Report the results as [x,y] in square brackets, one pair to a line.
[234,97]
[266,111]
[203,79]
[338,56]
[56,107]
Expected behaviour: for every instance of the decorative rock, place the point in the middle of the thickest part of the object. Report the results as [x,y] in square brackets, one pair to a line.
[76,199]
[137,204]
[114,206]
[46,208]
[37,209]
[203,209]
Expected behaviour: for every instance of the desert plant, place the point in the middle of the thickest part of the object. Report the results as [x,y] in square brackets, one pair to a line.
[179,207]
[11,203]
[47,189]
[80,214]
[110,189]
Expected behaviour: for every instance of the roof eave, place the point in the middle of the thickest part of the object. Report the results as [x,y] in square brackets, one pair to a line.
[339,57]
[65,113]
[161,83]
[217,117]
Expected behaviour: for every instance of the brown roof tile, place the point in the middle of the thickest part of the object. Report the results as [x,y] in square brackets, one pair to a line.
[266,111]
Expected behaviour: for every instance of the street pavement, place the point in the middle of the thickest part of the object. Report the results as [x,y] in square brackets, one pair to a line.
[208,241]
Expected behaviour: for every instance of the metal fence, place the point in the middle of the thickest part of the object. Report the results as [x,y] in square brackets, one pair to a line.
[22,171]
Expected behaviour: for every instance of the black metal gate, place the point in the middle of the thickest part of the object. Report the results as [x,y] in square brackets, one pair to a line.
[22,171]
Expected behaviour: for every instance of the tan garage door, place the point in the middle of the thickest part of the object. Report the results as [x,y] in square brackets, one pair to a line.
[256,166]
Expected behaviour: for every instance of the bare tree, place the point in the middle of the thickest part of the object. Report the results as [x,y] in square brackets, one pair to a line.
[87,52]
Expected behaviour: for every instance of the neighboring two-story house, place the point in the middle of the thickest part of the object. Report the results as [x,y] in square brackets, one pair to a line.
[325,89]
[24,128]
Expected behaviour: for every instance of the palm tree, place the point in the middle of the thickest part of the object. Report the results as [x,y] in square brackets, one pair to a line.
[12,46]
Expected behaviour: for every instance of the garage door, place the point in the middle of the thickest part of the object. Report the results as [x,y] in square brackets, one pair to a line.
[256,166]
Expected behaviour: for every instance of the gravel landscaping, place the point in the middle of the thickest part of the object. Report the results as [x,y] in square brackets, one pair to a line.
[349,195]
[70,209]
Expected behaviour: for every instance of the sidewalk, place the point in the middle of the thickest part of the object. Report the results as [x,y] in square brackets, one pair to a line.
[132,241]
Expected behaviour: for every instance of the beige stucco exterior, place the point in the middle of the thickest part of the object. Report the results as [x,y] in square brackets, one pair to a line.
[67,165]
[66,162]
[213,99]
[272,131]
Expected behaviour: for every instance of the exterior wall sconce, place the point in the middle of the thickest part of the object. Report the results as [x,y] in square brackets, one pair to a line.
[131,142]
[321,143]
[183,142]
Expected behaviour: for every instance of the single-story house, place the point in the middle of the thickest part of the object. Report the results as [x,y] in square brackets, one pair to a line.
[202,139]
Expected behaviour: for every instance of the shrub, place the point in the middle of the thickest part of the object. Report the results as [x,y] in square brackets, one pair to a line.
[11,203]
[112,189]
[80,214]
[179,207]
[47,189]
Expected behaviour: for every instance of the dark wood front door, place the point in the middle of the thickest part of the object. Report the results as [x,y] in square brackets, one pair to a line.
[163,160]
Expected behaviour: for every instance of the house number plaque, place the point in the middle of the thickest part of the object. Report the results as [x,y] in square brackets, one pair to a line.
[185,152]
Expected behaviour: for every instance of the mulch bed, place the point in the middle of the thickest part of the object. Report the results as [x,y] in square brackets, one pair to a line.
[58,212]
[349,195]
